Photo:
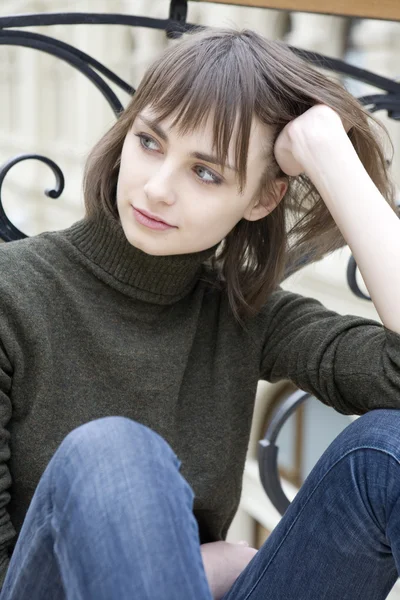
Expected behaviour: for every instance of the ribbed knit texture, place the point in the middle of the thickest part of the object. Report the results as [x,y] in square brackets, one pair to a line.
[91,327]
[156,279]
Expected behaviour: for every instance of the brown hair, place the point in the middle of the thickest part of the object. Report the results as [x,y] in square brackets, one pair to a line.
[241,74]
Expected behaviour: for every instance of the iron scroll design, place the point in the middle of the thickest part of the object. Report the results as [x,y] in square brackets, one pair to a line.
[267,450]
[12,34]
[8,231]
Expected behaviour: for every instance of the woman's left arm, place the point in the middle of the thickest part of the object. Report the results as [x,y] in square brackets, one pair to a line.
[317,144]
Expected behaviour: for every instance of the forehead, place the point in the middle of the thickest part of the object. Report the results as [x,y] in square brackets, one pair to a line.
[201,138]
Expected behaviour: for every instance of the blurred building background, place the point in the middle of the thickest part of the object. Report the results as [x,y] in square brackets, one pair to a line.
[49,108]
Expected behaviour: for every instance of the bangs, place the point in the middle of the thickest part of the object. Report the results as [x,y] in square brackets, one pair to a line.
[209,79]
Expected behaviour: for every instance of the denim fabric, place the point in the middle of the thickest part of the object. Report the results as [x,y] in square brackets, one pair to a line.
[340,537]
[112,518]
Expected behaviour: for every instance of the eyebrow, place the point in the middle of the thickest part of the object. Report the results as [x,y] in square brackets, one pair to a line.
[155,126]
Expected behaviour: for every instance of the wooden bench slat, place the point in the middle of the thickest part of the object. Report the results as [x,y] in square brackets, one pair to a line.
[372,9]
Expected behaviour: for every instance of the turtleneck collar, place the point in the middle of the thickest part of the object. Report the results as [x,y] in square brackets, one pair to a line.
[156,279]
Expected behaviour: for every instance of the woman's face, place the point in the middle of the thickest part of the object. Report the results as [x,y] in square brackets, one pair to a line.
[165,174]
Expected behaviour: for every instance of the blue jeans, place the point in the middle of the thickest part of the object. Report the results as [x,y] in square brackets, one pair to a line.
[112,518]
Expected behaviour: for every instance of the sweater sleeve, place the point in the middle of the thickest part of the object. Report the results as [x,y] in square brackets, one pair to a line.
[348,362]
[7,531]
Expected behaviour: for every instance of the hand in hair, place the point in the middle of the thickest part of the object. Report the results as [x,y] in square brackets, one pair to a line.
[315,125]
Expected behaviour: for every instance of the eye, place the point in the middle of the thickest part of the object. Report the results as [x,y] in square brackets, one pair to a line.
[145,141]
[205,175]
[212,177]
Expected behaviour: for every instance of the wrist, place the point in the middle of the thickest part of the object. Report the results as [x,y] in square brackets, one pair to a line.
[319,138]
[325,151]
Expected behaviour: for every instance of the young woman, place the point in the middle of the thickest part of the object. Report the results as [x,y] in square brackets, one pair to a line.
[133,341]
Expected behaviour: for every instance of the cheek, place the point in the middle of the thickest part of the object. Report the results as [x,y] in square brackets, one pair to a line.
[131,172]
[214,213]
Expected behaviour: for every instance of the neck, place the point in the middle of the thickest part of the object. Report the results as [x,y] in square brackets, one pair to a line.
[155,279]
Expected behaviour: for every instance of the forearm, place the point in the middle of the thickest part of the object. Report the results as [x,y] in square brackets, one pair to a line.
[366,221]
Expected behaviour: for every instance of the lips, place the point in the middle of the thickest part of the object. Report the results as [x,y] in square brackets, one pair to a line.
[150,223]
[150,216]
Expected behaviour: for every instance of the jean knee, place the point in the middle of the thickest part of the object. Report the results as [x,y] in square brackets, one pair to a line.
[377,429]
[113,438]
[108,462]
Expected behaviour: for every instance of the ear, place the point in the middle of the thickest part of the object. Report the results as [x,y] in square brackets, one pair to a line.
[264,207]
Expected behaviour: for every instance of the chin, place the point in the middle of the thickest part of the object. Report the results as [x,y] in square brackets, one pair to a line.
[134,241]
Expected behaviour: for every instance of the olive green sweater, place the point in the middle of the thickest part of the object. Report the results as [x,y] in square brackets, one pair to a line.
[91,326]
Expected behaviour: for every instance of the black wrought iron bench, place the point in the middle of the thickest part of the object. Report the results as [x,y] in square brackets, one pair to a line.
[12,33]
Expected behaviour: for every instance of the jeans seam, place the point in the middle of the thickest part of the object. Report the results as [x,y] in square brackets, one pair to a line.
[364,447]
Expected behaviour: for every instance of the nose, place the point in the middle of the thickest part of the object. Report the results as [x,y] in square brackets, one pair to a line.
[160,186]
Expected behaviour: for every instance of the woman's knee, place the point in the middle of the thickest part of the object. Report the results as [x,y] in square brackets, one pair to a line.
[109,462]
[111,439]
[377,429]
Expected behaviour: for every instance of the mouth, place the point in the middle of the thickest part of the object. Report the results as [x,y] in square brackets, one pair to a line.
[148,220]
